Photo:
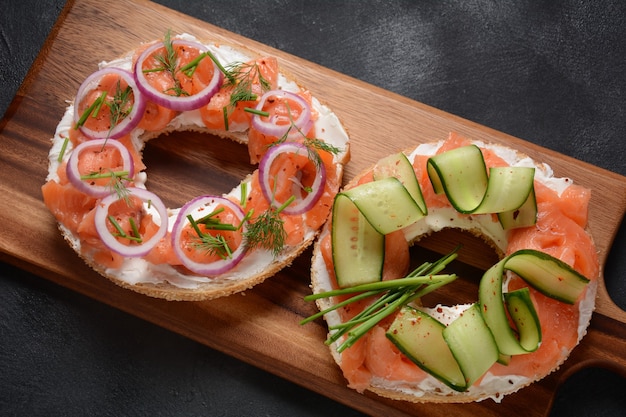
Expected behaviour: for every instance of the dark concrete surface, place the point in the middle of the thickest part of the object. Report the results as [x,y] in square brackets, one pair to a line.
[550,72]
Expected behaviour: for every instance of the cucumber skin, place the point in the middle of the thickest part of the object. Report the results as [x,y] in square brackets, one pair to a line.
[405,335]
[558,280]
[355,260]
[472,344]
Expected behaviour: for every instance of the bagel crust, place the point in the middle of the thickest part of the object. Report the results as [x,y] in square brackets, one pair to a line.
[422,387]
[174,282]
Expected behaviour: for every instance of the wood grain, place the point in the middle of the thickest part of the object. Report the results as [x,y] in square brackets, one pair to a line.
[261,326]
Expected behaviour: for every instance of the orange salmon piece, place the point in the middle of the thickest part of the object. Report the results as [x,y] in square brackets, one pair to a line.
[179,83]
[106,159]
[319,214]
[91,244]
[353,365]
[62,173]
[454,141]
[557,234]
[67,204]
[77,137]
[255,199]
[559,324]
[574,203]
[163,253]
[383,359]
[102,120]
[294,229]
[189,237]
[431,198]
[285,171]
[397,256]
[238,119]
[155,118]
[134,152]
[258,142]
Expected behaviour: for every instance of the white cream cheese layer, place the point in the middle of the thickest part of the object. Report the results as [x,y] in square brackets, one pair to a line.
[137,270]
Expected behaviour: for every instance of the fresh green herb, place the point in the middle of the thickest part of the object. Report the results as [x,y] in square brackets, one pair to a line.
[211,244]
[267,230]
[241,77]
[169,63]
[210,221]
[224,71]
[134,228]
[92,110]
[312,144]
[215,244]
[120,107]
[116,183]
[121,233]
[63,149]
[255,111]
[225,114]
[191,67]
[392,295]
[243,198]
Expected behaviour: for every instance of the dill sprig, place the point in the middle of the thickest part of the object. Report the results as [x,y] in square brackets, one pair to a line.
[241,77]
[117,182]
[210,244]
[392,295]
[214,244]
[120,106]
[267,230]
[169,63]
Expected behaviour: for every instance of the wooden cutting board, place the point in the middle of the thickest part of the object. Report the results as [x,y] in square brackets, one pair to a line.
[261,326]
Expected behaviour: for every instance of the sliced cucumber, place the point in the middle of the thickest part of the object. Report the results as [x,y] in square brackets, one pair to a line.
[386,204]
[420,337]
[508,189]
[471,344]
[461,174]
[522,311]
[547,274]
[524,216]
[493,310]
[358,249]
[399,166]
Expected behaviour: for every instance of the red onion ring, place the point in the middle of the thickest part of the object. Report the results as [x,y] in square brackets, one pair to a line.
[300,205]
[74,175]
[278,126]
[111,242]
[129,122]
[207,269]
[178,103]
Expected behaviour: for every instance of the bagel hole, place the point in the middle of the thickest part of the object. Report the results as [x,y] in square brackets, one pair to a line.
[475,256]
[184,165]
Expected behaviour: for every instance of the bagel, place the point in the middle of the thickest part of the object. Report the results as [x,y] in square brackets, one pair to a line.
[200,83]
[384,362]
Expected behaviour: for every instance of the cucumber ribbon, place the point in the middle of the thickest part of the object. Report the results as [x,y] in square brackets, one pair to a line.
[461,174]
[483,335]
